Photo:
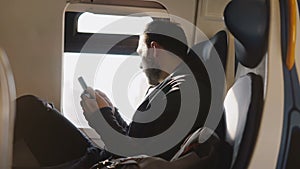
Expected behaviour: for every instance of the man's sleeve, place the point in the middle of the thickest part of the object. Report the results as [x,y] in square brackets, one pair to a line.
[96,122]
[120,120]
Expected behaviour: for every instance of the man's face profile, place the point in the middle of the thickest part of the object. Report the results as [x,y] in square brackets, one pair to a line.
[149,64]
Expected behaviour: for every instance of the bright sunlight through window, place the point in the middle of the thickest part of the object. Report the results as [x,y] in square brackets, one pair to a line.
[95,23]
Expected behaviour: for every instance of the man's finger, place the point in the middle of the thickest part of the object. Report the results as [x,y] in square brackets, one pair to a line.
[82,106]
[101,93]
[91,105]
[84,96]
[86,107]
[91,91]
[104,100]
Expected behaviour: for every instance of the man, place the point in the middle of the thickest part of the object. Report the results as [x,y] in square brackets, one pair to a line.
[172,110]
[163,49]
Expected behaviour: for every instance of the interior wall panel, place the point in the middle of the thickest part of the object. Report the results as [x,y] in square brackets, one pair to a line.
[31,33]
[183,10]
[210,16]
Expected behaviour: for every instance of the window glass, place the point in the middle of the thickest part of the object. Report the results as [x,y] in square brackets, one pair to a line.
[112,24]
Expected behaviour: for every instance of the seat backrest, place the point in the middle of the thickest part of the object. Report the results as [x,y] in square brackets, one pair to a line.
[248,21]
[205,53]
[205,48]
[7,111]
[243,107]
[215,47]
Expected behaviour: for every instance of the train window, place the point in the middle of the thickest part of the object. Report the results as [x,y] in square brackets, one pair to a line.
[101,48]
[95,23]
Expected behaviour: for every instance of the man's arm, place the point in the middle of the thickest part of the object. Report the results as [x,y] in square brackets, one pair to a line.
[120,120]
[115,111]
[94,109]
[95,120]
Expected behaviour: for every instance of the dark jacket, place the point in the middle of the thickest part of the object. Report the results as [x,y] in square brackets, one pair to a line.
[176,99]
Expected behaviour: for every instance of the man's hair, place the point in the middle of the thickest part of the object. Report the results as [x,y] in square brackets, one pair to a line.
[167,34]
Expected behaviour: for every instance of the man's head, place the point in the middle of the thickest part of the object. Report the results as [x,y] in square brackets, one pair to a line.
[160,40]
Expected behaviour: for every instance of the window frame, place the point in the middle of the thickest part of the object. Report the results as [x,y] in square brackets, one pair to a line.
[75,41]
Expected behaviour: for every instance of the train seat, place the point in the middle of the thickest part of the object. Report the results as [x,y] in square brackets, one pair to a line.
[7,110]
[216,45]
[243,107]
[248,21]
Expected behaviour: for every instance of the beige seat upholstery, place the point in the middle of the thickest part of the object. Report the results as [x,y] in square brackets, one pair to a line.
[7,111]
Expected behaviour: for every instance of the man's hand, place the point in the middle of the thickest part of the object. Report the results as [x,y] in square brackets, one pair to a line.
[103,95]
[92,101]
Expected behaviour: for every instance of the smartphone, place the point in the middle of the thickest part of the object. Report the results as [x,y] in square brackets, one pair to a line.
[84,87]
[82,83]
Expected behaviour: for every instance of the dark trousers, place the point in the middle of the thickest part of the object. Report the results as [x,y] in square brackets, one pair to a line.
[52,139]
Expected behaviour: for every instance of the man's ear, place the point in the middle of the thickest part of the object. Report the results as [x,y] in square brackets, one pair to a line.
[154,44]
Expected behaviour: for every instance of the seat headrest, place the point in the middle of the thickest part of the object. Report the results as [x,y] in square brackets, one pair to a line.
[248,21]
[216,46]
[205,48]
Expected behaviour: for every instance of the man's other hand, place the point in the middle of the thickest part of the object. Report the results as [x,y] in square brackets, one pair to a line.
[92,101]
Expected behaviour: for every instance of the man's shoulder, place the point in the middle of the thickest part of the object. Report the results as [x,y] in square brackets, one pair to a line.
[174,82]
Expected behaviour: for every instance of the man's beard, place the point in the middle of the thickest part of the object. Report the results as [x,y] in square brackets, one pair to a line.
[152,70]
[153,75]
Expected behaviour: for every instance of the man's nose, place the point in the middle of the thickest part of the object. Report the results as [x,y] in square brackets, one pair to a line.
[138,50]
